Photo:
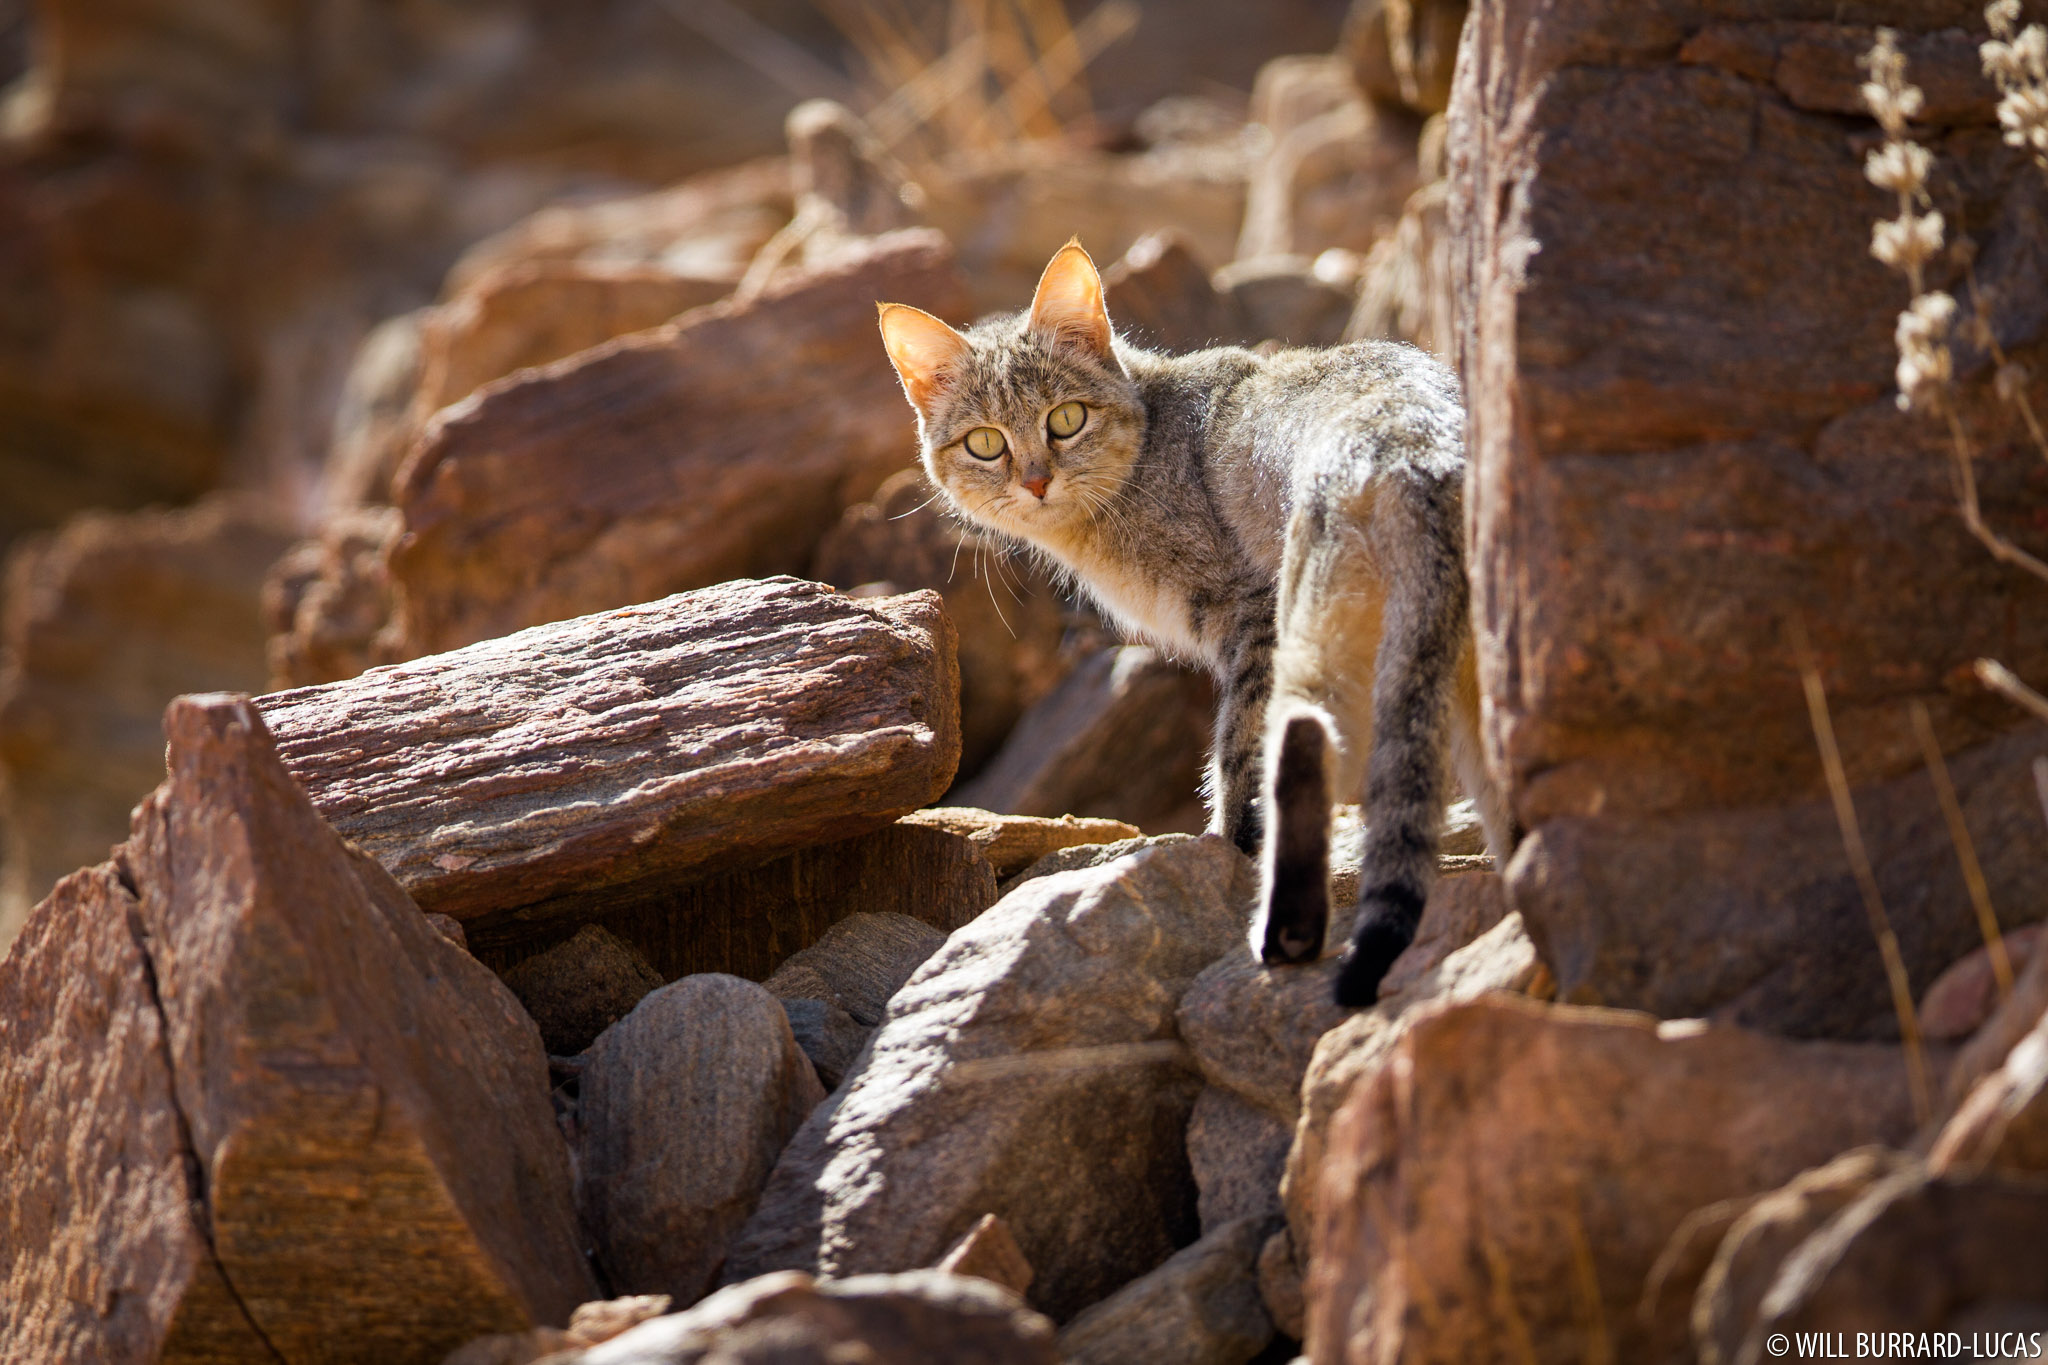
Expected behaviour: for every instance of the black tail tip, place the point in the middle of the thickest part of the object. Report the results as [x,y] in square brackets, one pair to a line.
[1376,946]
[1302,745]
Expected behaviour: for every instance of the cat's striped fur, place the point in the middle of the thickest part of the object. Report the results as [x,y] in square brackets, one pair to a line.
[1292,521]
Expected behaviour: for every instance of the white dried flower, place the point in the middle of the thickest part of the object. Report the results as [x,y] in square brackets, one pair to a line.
[1900,167]
[2016,60]
[1925,365]
[1892,99]
[1907,242]
[2011,381]
[2002,16]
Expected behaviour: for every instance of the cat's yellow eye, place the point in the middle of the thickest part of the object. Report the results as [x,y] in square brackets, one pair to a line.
[1066,419]
[985,443]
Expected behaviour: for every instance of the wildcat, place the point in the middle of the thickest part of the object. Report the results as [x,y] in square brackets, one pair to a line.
[1293,521]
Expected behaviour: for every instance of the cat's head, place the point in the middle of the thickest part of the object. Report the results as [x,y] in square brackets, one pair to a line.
[1028,423]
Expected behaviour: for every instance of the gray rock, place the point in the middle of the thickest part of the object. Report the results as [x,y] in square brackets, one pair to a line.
[581,987]
[1087,855]
[685,1105]
[1028,1070]
[791,1319]
[1238,1152]
[828,1035]
[1200,1308]
[857,964]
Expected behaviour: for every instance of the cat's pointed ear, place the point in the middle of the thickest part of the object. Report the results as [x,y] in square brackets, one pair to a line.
[1068,308]
[925,351]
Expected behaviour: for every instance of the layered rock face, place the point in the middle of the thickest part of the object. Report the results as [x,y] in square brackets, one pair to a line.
[1686,453]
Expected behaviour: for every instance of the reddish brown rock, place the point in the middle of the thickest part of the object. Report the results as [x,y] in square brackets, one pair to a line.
[1340,167]
[105,1252]
[1402,52]
[719,446]
[373,415]
[364,1109]
[1010,616]
[1012,843]
[989,1251]
[328,603]
[1965,996]
[1123,736]
[2003,1123]
[578,988]
[105,622]
[1201,1307]
[1159,295]
[1502,1188]
[664,739]
[1668,306]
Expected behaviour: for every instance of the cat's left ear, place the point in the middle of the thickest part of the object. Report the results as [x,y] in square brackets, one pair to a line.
[925,351]
[1068,309]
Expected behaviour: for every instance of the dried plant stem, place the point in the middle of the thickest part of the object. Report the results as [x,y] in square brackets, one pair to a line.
[1965,460]
[2007,684]
[1966,850]
[1866,879]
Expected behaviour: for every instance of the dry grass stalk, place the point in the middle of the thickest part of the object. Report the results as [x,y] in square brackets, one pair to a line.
[2007,684]
[1866,878]
[1966,850]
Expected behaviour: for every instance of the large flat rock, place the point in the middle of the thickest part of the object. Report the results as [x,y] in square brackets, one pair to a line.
[587,760]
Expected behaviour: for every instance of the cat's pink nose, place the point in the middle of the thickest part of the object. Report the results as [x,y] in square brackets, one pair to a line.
[1038,487]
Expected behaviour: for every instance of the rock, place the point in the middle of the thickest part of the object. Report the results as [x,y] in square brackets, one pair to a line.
[1159,294]
[1280,1284]
[748,922]
[828,1035]
[1027,1070]
[1917,1253]
[683,1107]
[581,987]
[675,748]
[1010,616]
[2012,1020]
[858,964]
[1683,855]
[104,1247]
[1238,1153]
[1405,286]
[372,417]
[989,1251]
[1340,168]
[328,602]
[1122,736]
[1350,1055]
[590,1325]
[105,622]
[1966,995]
[1750,1254]
[1402,51]
[372,1159]
[1514,1158]
[1253,1029]
[728,440]
[1281,300]
[792,1319]
[450,928]
[2003,1124]
[530,313]
[1012,843]
[1201,1307]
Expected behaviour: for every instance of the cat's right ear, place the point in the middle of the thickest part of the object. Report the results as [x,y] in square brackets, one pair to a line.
[926,352]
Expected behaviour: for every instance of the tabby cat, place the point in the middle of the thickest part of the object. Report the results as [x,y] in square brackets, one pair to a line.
[1293,521]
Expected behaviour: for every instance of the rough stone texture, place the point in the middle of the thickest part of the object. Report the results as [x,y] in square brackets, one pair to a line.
[1010,616]
[1349,1056]
[1200,1308]
[328,601]
[1965,996]
[858,963]
[105,622]
[589,756]
[1753,1249]
[791,1319]
[682,1109]
[366,1107]
[2003,1124]
[104,1249]
[1122,736]
[1238,1153]
[721,445]
[1704,340]
[1916,1253]
[1027,1070]
[581,987]
[1089,855]
[1527,1163]
[828,1035]
[1280,1286]
[590,1325]
[989,1251]
[1012,843]
[1159,294]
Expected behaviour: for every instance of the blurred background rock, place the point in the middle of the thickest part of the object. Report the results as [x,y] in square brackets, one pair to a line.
[248,251]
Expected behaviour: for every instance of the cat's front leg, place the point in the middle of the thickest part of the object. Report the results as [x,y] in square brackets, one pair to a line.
[1244,685]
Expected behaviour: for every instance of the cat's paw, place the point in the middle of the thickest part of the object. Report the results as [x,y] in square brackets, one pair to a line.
[1364,964]
[1280,944]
